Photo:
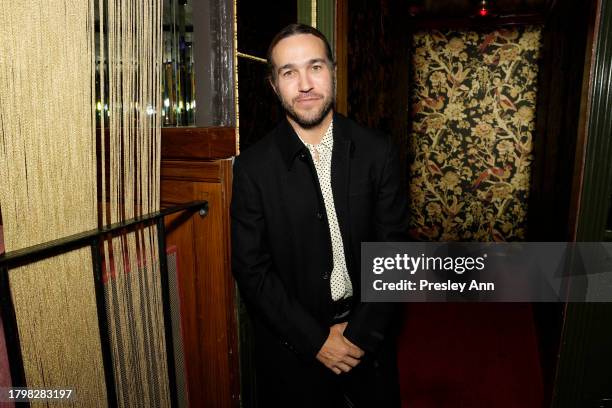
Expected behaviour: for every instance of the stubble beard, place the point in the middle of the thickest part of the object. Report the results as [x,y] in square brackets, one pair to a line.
[310,121]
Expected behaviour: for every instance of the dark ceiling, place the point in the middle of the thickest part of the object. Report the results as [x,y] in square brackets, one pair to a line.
[465,8]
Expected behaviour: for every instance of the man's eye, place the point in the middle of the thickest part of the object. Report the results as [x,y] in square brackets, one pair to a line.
[316,67]
[287,74]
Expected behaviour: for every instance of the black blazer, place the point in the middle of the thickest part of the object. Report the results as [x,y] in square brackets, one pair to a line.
[281,247]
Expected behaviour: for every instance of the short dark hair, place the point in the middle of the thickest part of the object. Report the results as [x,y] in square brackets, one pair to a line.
[291,30]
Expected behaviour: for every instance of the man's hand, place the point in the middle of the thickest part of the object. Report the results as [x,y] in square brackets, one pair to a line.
[338,354]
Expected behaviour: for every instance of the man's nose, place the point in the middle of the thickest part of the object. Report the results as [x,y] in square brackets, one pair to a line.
[305,84]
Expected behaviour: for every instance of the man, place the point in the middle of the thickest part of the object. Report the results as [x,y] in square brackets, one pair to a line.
[304,198]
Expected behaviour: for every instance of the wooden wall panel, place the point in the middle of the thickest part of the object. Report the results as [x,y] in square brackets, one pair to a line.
[198,143]
[205,282]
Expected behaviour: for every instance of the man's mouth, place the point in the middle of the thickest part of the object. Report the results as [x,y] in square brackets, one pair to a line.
[309,98]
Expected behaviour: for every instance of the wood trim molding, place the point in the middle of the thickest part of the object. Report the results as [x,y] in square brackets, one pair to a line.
[581,145]
[185,170]
[326,19]
[187,143]
[304,12]
[341,48]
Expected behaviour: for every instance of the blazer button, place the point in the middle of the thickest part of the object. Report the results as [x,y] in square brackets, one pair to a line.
[325,276]
[320,215]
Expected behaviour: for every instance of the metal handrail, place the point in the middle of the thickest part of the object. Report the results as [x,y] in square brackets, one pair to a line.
[55,247]
[92,238]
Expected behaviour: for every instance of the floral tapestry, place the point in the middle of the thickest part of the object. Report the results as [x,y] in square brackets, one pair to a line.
[471,138]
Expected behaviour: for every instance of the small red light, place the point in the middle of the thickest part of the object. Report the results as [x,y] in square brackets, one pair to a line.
[483,12]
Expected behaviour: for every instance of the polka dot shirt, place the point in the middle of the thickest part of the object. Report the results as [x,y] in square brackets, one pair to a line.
[321,153]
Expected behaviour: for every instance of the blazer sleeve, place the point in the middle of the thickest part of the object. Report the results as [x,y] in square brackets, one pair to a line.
[370,322]
[254,271]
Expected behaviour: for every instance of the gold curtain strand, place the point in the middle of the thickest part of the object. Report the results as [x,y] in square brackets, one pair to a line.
[134,293]
[47,162]
[47,159]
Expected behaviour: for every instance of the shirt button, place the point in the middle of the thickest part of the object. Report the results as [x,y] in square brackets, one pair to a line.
[320,215]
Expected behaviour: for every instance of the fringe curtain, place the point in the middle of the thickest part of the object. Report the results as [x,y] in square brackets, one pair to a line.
[50,84]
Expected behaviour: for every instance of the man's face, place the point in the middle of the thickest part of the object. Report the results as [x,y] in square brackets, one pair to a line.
[304,79]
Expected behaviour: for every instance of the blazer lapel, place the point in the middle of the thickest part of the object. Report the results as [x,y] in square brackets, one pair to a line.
[288,143]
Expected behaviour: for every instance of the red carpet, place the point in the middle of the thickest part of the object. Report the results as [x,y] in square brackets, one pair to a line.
[469,355]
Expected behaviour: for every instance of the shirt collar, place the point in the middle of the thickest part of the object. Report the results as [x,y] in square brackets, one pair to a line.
[290,145]
[328,138]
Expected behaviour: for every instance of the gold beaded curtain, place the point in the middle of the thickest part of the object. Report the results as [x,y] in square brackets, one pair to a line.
[131,33]
[48,173]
